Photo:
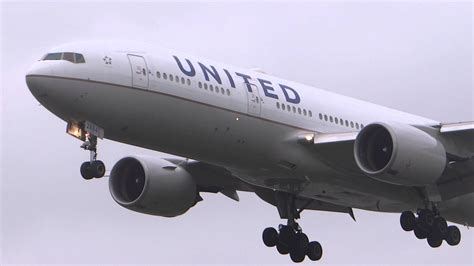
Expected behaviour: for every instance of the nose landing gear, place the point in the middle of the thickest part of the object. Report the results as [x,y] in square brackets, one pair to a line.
[93,168]
[88,133]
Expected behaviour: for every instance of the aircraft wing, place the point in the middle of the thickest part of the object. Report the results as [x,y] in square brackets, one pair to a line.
[459,138]
[215,179]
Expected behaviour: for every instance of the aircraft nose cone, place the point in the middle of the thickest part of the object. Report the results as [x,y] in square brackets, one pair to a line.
[33,79]
[39,68]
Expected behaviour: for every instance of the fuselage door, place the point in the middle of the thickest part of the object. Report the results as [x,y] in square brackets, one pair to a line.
[253,98]
[139,71]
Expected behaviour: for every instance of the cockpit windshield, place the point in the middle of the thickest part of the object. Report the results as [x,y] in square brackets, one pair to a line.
[68,56]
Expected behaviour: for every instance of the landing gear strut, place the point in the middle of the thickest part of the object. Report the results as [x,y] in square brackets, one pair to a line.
[289,238]
[93,168]
[430,225]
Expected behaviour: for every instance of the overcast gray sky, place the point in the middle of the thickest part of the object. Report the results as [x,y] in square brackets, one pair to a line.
[416,57]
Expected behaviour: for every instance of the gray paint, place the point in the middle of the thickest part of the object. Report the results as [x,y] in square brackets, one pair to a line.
[416,57]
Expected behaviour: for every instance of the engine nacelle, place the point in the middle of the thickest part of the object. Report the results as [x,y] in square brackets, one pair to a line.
[153,186]
[399,154]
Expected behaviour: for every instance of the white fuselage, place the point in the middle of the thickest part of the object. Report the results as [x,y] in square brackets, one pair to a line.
[247,122]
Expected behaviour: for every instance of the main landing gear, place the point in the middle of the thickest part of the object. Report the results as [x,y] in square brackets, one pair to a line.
[430,225]
[92,168]
[290,239]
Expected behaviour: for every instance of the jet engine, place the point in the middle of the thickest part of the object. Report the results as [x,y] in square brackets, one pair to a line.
[399,154]
[153,186]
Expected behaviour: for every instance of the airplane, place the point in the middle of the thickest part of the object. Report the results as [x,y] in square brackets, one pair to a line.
[295,146]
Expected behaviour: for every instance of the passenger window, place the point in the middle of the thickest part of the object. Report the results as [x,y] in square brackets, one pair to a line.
[347,123]
[144,72]
[304,112]
[352,124]
[299,110]
[278,105]
[294,109]
[171,78]
[165,76]
[200,84]
[228,92]
[158,74]
[331,119]
[289,108]
[326,117]
[211,88]
[189,82]
[336,120]
[310,113]
[222,91]
[205,86]
[177,79]
[320,116]
[283,107]
[79,58]
[357,125]
[68,57]
[361,126]
[183,81]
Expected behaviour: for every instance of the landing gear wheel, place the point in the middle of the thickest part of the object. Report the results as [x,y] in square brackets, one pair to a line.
[420,233]
[270,237]
[407,221]
[314,251]
[300,244]
[453,235]
[434,240]
[440,227]
[282,248]
[297,256]
[86,171]
[425,219]
[287,235]
[98,169]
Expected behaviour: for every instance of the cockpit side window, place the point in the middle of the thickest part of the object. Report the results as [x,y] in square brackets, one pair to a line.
[79,58]
[68,56]
[53,56]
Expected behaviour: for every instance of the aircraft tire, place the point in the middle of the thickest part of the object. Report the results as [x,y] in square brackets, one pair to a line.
[98,169]
[314,251]
[270,237]
[425,219]
[434,240]
[86,171]
[453,235]
[440,227]
[282,248]
[407,221]
[297,255]
[287,235]
[420,233]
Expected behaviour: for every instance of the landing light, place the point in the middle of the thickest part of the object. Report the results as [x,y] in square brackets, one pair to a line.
[306,139]
[75,129]
[237,119]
